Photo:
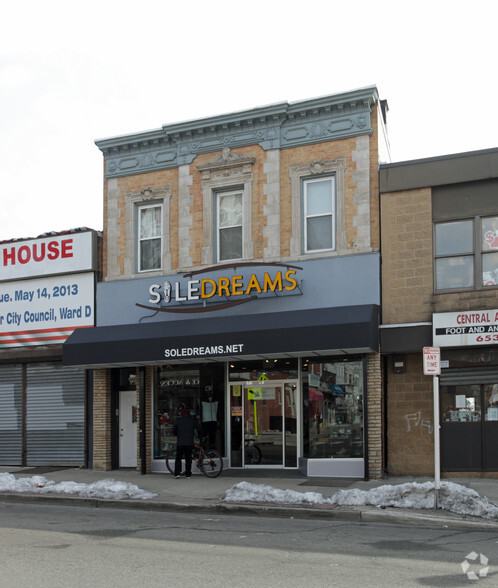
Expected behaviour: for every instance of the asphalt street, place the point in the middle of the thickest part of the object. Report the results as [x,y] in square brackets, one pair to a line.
[51,546]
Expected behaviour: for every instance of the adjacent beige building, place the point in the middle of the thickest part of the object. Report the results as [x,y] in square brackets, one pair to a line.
[439,235]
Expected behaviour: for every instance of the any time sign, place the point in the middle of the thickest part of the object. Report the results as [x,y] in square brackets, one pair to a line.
[432,361]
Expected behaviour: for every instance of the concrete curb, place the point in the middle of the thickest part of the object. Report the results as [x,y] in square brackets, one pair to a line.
[360,514]
[445,519]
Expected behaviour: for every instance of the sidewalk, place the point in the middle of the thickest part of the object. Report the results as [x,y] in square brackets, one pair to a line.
[201,494]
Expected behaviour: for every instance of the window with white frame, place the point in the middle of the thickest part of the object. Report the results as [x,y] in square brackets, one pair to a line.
[150,234]
[466,253]
[229,225]
[319,214]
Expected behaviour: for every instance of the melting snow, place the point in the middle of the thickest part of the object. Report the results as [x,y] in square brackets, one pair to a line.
[452,497]
[101,489]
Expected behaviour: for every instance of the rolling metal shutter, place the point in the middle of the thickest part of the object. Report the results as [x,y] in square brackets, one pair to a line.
[55,415]
[11,415]
[474,375]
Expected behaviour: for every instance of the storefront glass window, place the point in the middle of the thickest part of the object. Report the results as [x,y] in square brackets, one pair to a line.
[267,369]
[460,404]
[489,241]
[491,402]
[198,389]
[332,407]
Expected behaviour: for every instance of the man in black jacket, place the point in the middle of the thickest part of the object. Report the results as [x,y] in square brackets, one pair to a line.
[185,429]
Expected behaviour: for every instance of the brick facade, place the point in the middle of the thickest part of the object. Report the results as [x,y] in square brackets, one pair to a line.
[375,412]
[406,256]
[409,297]
[410,421]
[102,420]
[270,173]
[186,236]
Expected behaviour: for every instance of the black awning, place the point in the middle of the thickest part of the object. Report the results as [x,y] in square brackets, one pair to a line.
[348,329]
[405,339]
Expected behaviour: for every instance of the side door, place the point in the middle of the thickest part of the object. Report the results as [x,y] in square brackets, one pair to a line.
[128,429]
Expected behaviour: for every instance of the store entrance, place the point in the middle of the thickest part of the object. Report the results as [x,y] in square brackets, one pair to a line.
[469,427]
[264,417]
[128,429]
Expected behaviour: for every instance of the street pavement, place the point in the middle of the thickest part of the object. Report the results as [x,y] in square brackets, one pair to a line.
[202,494]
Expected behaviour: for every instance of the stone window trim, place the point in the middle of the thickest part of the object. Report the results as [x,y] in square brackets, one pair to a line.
[228,171]
[316,168]
[132,201]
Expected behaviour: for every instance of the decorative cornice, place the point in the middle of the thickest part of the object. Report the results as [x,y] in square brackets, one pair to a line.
[228,163]
[149,194]
[278,126]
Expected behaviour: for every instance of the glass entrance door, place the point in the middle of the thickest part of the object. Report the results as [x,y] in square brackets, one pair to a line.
[264,424]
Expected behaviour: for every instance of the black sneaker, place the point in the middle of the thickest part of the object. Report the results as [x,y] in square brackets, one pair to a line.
[177,476]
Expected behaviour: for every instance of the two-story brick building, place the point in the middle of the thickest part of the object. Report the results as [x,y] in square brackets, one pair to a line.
[439,219]
[242,282]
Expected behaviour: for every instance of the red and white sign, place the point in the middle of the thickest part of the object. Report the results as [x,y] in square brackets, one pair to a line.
[432,361]
[45,311]
[466,328]
[57,254]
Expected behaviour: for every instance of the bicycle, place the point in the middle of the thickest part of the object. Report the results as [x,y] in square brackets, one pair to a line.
[252,452]
[208,461]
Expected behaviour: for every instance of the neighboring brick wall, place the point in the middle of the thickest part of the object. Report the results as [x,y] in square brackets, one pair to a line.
[407,294]
[148,421]
[410,422]
[475,300]
[407,263]
[375,417]
[102,420]
[407,280]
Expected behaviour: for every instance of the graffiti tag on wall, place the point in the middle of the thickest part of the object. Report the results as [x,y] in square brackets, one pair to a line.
[415,419]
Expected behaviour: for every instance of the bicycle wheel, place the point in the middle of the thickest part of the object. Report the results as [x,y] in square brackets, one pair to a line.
[170,457]
[252,454]
[210,463]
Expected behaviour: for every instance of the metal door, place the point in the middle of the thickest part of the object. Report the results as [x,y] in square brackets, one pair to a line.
[128,417]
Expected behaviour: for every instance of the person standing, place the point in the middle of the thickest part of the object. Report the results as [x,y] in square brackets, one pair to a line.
[185,429]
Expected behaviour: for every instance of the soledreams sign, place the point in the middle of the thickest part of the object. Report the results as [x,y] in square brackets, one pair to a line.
[461,329]
[220,292]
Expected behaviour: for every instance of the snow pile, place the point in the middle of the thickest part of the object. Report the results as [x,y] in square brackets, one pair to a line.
[246,492]
[452,497]
[102,489]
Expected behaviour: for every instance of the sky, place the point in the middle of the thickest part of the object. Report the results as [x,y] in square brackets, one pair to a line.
[72,73]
